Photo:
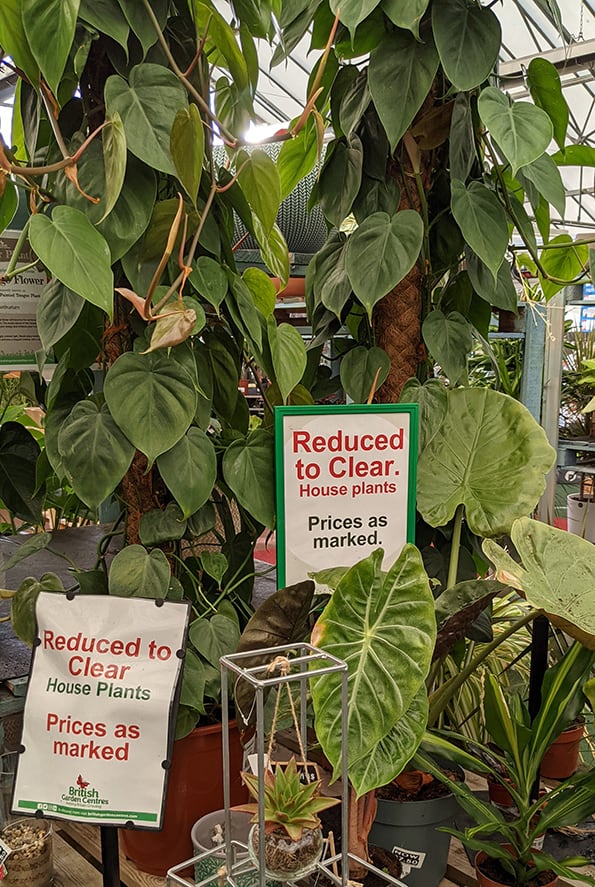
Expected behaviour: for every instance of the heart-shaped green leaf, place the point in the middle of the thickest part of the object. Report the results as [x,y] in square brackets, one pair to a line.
[214,564]
[340,178]
[134,572]
[297,158]
[400,75]
[14,39]
[190,469]
[22,610]
[544,174]
[449,340]
[147,105]
[545,87]
[500,292]
[214,638]
[468,38]
[262,288]
[94,452]
[19,452]
[75,253]
[288,354]
[381,252]
[565,263]
[367,623]
[141,24]
[521,130]
[187,148]
[487,445]
[159,526]
[209,280]
[359,369]
[58,310]
[405,13]
[273,249]
[432,398]
[248,471]
[482,220]
[152,399]
[352,12]
[50,26]
[106,17]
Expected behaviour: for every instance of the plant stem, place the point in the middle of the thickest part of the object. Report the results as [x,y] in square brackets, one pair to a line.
[440,699]
[8,274]
[17,250]
[455,548]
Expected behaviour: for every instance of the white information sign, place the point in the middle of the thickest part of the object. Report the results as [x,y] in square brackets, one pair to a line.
[19,339]
[345,485]
[98,719]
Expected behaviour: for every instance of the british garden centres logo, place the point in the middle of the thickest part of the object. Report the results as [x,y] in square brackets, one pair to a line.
[82,792]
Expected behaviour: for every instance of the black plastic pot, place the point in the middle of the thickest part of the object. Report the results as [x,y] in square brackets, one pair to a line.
[409,830]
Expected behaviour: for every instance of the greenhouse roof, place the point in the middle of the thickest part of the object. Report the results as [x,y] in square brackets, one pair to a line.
[530,28]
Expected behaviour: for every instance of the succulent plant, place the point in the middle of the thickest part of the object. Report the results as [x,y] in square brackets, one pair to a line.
[289,803]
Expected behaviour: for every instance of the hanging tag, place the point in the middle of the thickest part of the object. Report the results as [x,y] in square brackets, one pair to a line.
[253,763]
[308,771]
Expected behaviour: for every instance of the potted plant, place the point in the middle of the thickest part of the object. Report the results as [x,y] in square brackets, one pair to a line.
[290,830]
[516,765]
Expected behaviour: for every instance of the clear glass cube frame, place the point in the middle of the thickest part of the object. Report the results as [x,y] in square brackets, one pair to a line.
[305,663]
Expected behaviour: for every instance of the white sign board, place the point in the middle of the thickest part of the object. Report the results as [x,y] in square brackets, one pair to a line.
[98,719]
[345,485]
[19,296]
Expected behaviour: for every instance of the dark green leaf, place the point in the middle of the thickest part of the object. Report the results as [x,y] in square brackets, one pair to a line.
[405,13]
[107,17]
[152,400]
[190,469]
[159,526]
[544,174]
[546,91]
[214,637]
[468,40]
[352,12]
[134,572]
[499,293]
[400,76]
[358,372]
[221,45]
[140,22]
[381,252]
[449,340]
[9,202]
[225,375]
[18,456]
[209,280]
[42,18]
[187,146]
[354,102]
[245,315]
[94,452]
[340,178]
[433,403]
[274,250]
[288,354]
[14,39]
[461,145]
[76,253]
[31,545]
[58,310]
[22,611]
[114,161]
[248,472]
[260,183]
[147,106]
[482,220]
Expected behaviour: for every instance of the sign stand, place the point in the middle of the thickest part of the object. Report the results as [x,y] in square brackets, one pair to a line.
[110,856]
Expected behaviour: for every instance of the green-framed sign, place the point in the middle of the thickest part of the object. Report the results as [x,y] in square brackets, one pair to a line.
[345,478]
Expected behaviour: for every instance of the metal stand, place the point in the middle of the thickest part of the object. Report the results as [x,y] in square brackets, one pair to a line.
[307,663]
[110,856]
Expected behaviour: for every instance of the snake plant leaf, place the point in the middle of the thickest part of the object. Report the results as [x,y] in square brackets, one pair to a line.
[395,750]
[384,628]
[381,252]
[400,75]
[488,444]
[468,38]
[361,369]
[482,220]
[545,87]
[556,574]
[135,572]
[22,610]
[69,245]
[147,106]
[152,400]
[522,131]
[189,470]
[90,437]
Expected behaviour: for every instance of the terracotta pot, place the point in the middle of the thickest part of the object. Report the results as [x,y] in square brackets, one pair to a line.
[499,794]
[561,759]
[195,787]
[485,881]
